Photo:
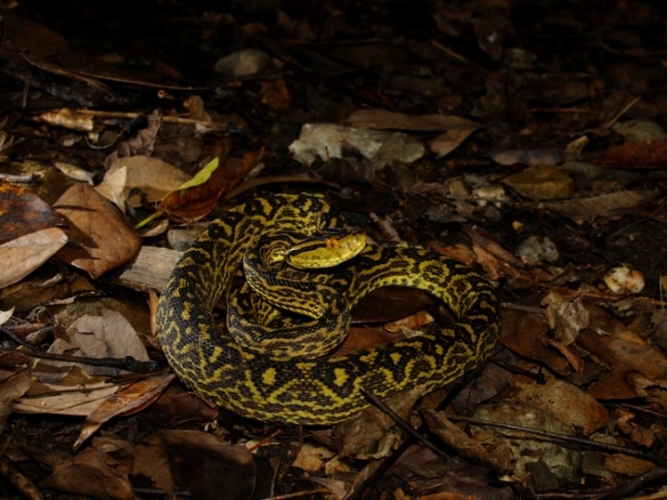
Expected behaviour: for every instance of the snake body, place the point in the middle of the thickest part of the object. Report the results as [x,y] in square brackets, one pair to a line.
[256,383]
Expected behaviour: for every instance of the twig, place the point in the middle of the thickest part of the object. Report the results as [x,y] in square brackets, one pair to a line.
[564,439]
[636,484]
[406,427]
[299,494]
[377,474]
[127,363]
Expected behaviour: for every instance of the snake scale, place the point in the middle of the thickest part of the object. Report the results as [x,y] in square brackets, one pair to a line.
[255,383]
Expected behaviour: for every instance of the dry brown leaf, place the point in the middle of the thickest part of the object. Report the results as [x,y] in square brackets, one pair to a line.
[196,108]
[23,255]
[603,206]
[630,466]
[154,177]
[180,407]
[150,460]
[566,316]
[21,35]
[489,450]
[634,155]
[528,449]
[408,325]
[570,354]
[68,118]
[92,476]
[197,200]
[24,212]
[566,401]
[542,182]
[105,241]
[366,429]
[521,332]
[275,94]
[379,119]
[449,141]
[107,336]
[312,458]
[638,434]
[141,144]
[76,395]
[325,140]
[624,352]
[204,465]
[128,400]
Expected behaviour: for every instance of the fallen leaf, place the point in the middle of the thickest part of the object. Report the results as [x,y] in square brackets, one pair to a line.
[487,449]
[105,241]
[603,206]
[521,331]
[24,212]
[634,155]
[564,400]
[76,395]
[366,429]
[380,147]
[150,460]
[566,316]
[142,143]
[630,466]
[87,480]
[107,336]
[379,119]
[128,400]
[197,197]
[623,351]
[209,468]
[23,255]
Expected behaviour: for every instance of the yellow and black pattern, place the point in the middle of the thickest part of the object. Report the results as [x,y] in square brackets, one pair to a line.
[254,383]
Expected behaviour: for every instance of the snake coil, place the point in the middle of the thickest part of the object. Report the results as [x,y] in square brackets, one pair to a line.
[256,383]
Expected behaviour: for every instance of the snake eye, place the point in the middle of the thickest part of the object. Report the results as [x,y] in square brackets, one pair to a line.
[332,243]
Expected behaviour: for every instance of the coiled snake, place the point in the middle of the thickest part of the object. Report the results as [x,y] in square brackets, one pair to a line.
[255,382]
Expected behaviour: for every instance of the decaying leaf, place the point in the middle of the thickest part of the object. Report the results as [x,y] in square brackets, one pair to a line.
[365,431]
[566,316]
[487,449]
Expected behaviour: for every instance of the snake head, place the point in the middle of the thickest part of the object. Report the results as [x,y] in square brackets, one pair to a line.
[327,249]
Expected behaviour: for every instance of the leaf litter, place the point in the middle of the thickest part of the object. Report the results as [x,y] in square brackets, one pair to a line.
[522,139]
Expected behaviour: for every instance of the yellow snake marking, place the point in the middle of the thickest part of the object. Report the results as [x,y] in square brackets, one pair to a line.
[341,376]
[260,384]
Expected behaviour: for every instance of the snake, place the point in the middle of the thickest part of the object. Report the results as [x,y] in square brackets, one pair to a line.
[253,382]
